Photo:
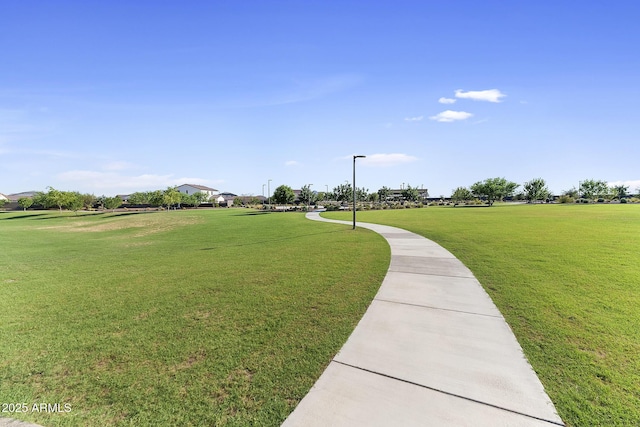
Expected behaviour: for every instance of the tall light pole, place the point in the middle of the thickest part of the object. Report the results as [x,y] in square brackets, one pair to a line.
[309,201]
[269,193]
[354,189]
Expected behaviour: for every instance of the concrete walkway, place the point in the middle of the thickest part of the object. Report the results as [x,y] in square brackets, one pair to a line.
[432,349]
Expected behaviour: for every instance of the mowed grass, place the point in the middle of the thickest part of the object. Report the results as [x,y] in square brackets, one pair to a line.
[567,280]
[203,317]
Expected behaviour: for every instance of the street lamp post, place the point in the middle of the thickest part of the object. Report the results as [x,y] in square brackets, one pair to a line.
[269,193]
[354,189]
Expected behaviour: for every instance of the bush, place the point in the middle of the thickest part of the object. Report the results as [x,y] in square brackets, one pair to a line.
[623,200]
[565,199]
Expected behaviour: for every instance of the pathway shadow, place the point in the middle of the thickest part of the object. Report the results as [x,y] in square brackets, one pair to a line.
[252,213]
[23,216]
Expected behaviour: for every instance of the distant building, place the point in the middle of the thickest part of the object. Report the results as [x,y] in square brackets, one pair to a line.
[17,196]
[225,198]
[3,197]
[193,188]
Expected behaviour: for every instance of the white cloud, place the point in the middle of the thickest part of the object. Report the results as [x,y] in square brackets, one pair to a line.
[291,163]
[634,185]
[115,183]
[118,165]
[384,160]
[444,100]
[490,95]
[451,116]
[413,119]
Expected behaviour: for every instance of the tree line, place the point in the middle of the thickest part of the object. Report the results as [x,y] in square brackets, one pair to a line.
[75,201]
[489,190]
[536,190]
[343,193]
[70,200]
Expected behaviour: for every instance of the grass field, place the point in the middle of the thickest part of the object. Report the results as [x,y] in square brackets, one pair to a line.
[567,279]
[207,317]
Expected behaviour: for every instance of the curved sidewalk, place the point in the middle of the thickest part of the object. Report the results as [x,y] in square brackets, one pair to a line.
[431,349]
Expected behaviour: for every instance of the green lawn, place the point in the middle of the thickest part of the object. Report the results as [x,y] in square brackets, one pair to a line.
[200,317]
[567,279]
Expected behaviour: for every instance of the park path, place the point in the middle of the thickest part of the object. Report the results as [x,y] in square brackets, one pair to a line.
[431,349]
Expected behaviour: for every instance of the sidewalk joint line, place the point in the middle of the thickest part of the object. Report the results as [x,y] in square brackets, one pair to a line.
[431,274]
[438,308]
[426,274]
[447,393]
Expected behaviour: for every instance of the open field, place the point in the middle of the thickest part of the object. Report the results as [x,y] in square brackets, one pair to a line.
[567,279]
[204,317]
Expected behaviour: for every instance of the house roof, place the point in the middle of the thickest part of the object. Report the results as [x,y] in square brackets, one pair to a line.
[16,196]
[200,187]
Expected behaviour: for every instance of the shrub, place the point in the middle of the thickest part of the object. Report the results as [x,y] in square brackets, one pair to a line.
[623,200]
[565,199]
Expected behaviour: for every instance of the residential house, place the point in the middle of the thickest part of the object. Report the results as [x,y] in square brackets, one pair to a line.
[225,199]
[193,188]
[17,196]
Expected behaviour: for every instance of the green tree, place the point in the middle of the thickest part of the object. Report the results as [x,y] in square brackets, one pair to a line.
[410,194]
[3,202]
[593,189]
[494,189]
[187,199]
[88,200]
[199,198]
[25,202]
[74,201]
[171,197]
[620,191]
[362,194]
[343,193]
[156,198]
[536,189]
[284,195]
[40,200]
[384,193]
[139,198]
[112,203]
[56,198]
[306,197]
[461,194]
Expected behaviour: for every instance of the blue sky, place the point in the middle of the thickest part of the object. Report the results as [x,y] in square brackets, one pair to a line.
[112,97]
